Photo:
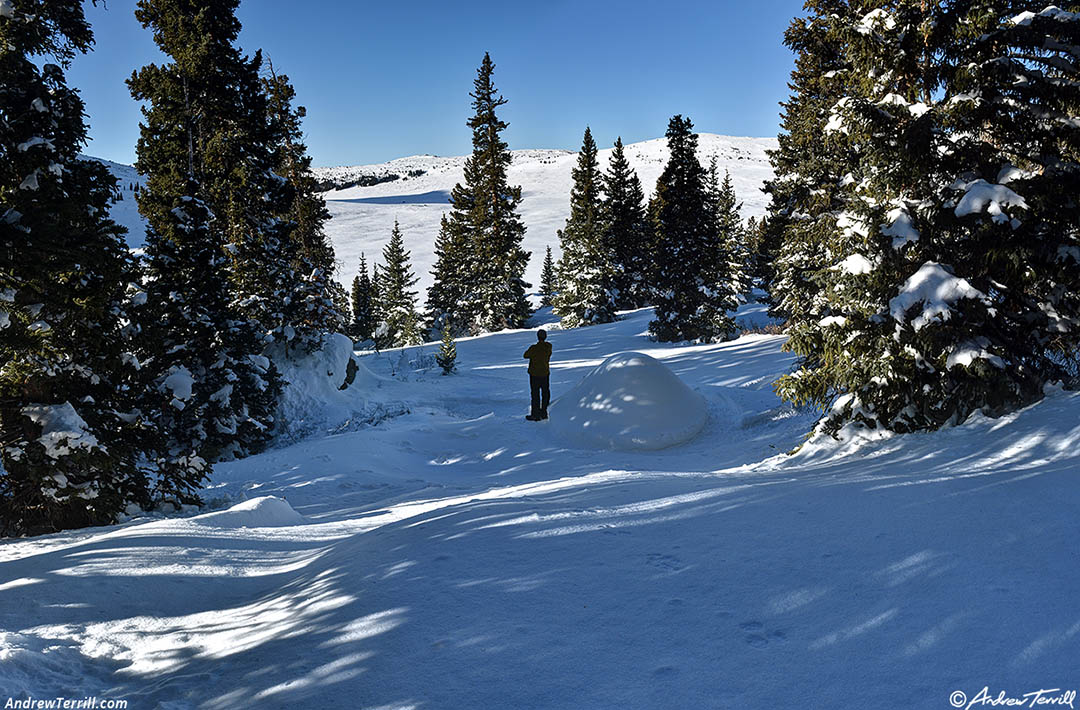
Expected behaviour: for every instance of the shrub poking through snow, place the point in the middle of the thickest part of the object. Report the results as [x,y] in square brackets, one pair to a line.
[447,355]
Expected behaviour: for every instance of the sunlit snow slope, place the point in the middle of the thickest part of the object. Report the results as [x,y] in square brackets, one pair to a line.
[364,216]
[450,555]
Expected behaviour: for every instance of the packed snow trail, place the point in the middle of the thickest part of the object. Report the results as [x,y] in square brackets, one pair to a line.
[460,557]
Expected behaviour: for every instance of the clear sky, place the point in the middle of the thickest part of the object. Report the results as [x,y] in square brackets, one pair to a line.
[382,80]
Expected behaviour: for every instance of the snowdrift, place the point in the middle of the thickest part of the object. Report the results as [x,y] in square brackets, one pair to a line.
[629,402]
[262,512]
[313,401]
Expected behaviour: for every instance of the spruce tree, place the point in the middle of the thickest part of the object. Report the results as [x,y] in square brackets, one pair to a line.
[310,308]
[69,436]
[547,279]
[483,231]
[397,300]
[586,270]
[692,279]
[731,240]
[447,355]
[952,274]
[212,246]
[445,298]
[626,231]
[363,307]
[813,167]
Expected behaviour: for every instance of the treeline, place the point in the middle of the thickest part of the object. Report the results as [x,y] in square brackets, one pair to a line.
[123,380]
[687,252]
[327,184]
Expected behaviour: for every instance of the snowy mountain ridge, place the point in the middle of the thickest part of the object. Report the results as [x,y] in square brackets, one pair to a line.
[362,217]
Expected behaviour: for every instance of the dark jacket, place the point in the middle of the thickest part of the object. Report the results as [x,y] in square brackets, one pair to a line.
[539,355]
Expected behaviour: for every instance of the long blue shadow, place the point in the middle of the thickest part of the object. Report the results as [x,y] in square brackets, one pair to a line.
[435,197]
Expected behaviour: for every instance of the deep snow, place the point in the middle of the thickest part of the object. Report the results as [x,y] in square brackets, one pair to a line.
[456,556]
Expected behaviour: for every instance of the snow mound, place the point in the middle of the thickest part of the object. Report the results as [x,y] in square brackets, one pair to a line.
[629,402]
[313,401]
[263,512]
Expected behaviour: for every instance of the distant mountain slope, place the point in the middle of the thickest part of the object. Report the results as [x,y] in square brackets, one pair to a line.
[125,212]
[415,191]
[417,196]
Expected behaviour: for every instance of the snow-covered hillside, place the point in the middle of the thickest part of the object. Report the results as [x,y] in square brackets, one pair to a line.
[126,211]
[364,216]
[441,552]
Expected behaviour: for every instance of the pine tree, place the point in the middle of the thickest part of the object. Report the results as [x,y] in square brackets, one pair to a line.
[397,299]
[693,287]
[310,307]
[547,279]
[626,231]
[812,167]
[363,308]
[69,438]
[447,292]
[483,231]
[447,355]
[212,246]
[731,239]
[586,270]
[953,274]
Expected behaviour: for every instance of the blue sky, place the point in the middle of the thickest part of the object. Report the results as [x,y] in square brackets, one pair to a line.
[389,79]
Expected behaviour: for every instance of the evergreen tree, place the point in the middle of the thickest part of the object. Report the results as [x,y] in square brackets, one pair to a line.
[69,438]
[397,299]
[692,280]
[447,293]
[952,274]
[586,270]
[812,167]
[447,355]
[547,279]
[483,232]
[363,307]
[214,266]
[310,307]
[340,298]
[734,251]
[626,231]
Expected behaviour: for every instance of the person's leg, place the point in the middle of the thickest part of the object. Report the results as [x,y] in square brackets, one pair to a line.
[534,387]
[545,389]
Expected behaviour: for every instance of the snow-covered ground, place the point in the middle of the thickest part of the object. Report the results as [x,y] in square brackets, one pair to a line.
[453,555]
[362,217]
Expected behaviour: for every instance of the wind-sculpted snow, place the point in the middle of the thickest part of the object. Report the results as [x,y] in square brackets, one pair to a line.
[461,557]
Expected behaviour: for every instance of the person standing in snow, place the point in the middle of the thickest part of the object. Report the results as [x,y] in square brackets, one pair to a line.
[539,357]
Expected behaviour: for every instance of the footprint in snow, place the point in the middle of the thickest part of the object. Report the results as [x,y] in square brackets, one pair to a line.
[758,637]
[665,562]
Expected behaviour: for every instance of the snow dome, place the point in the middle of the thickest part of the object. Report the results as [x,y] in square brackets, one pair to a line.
[631,402]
